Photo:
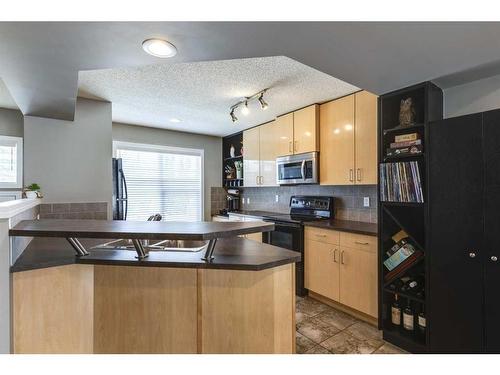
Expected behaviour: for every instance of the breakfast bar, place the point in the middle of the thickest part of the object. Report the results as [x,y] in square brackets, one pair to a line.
[85,286]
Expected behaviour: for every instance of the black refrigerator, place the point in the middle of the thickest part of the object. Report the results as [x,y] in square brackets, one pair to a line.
[120,196]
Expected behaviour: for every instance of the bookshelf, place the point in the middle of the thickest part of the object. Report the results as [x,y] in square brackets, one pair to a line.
[235,140]
[406,213]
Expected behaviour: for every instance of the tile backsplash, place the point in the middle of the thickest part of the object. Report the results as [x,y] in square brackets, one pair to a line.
[91,210]
[348,199]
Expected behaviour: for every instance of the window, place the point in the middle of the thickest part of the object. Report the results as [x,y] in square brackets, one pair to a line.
[164,180]
[11,162]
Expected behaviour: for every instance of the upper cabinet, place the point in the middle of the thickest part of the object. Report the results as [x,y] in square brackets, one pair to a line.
[306,129]
[297,132]
[348,135]
[260,153]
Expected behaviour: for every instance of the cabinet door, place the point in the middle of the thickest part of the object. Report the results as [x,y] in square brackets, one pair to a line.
[337,142]
[322,268]
[305,129]
[455,291]
[491,141]
[365,137]
[358,280]
[251,157]
[284,133]
[268,154]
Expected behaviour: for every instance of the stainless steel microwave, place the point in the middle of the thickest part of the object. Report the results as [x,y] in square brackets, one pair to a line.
[297,169]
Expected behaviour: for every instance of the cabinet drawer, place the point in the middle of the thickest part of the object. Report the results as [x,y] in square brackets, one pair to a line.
[358,241]
[322,235]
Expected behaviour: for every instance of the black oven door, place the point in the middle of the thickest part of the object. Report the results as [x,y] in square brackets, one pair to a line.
[289,236]
[286,235]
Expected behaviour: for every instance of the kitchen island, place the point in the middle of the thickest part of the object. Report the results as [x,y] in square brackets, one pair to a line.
[240,298]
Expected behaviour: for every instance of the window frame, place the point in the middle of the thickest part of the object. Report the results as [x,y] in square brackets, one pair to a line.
[19,172]
[169,149]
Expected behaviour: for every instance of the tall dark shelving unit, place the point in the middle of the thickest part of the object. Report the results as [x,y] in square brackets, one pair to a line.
[236,140]
[411,217]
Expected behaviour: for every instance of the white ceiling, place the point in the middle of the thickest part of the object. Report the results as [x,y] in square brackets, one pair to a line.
[200,94]
[40,61]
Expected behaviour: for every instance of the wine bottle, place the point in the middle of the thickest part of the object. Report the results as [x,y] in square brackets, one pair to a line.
[396,312]
[408,317]
[421,321]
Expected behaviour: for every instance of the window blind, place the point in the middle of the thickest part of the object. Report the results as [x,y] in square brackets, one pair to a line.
[162,181]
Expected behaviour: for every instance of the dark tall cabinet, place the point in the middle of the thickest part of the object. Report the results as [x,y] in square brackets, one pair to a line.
[464,221]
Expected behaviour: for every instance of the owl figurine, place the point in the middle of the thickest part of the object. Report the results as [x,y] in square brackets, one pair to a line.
[407,112]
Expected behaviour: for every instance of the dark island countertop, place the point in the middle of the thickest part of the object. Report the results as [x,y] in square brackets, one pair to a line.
[231,253]
[358,227]
[115,229]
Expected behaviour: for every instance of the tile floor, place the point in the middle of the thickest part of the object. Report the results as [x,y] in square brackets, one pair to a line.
[322,329]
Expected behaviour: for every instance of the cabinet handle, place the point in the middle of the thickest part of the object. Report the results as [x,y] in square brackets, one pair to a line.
[358,174]
[472,255]
[494,258]
[351,178]
[335,255]
[342,257]
[361,243]
[290,146]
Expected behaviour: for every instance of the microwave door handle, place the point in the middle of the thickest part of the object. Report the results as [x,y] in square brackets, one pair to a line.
[303,169]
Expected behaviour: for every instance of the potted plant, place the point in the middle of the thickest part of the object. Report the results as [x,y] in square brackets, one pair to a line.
[32,191]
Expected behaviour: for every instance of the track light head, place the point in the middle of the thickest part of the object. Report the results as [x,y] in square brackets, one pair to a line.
[233,116]
[262,102]
[245,111]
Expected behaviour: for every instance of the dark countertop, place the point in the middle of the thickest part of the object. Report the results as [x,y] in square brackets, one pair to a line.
[158,230]
[358,227]
[232,253]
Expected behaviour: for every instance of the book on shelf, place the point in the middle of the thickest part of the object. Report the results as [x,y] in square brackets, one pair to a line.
[400,182]
[406,137]
[405,143]
[402,267]
[411,150]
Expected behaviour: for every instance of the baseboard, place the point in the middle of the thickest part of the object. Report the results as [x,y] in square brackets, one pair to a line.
[357,314]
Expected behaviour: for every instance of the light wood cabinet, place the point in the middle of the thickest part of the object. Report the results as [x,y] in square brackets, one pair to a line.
[358,279]
[344,274]
[297,132]
[322,271]
[251,157]
[260,153]
[348,140]
[268,154]
[365,136]
[305,129]
[337,142]
[284,134]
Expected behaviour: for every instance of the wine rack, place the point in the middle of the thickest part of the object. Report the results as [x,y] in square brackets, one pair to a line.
[411,217]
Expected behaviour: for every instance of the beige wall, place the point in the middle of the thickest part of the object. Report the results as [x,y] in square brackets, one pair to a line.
[212,147]
[11,122]
[71,160]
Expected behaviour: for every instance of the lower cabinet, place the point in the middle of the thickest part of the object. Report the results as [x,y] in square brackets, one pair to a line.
[344,274]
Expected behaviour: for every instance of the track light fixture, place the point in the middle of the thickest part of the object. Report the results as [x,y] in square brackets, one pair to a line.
[244,104]
[233,116]
[262,102]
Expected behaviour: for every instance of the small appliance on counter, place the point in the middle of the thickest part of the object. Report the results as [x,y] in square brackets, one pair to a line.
[233,200]
[297,169]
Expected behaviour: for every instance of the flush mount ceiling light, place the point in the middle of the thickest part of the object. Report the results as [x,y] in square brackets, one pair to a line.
[159,48]
[244,104]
